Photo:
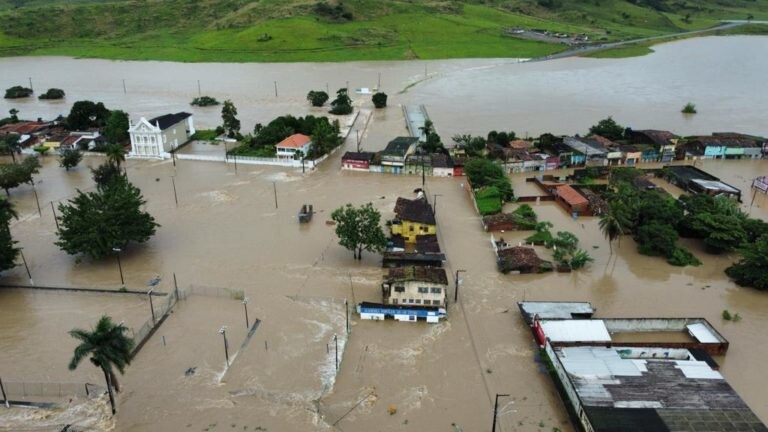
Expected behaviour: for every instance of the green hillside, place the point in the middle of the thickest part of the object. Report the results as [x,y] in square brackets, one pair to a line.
[313,30]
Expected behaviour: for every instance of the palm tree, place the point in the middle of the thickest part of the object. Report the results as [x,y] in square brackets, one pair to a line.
[115,154]
[611,225]
[108,347]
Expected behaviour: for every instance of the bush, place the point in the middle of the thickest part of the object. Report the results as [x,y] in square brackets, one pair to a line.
[317,98]
[52,94]
[524,217]
[482,172]
[379,100]
[689,108]
[579,259]
[682,257]
[204,101]
[17,92]
[204,135]
[41,150]
[656,239]
[342,105]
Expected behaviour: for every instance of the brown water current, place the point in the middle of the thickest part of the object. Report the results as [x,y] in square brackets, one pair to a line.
[228,232]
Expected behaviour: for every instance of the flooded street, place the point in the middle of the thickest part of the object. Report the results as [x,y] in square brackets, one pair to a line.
[231,230]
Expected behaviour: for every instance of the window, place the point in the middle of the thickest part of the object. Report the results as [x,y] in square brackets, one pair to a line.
[423,290]
[418,301]
[410,228]
[436,290]
[394,301]
[399,289]
[423,229]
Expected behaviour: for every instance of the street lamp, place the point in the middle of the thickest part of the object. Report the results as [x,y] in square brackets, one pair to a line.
[223,332]
[336,341]
[245,306]
[119,265]
[496,410]
[434,204]
[456,290]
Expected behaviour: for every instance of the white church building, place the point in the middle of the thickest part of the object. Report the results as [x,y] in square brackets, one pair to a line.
[157,137]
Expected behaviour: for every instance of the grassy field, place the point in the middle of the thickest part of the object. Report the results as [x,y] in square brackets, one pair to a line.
[302,30]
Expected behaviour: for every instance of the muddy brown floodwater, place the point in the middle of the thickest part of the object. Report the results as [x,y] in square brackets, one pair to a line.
[227,232]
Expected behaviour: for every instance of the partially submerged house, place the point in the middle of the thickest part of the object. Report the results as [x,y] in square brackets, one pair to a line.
[357,161]
[724,146]
[663,141]
[394,155]
[415,286]
[425,252]
[157,137]
[296,146]
[519,259]
[442,165]
[413,218]
[698,181]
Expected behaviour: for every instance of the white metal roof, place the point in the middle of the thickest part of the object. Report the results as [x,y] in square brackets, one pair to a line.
[551,310]
[576,331]
[702,333]
[715,185]
[697,370]
[597,362]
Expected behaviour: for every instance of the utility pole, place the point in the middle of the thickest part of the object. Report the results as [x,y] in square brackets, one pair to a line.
[5,398]
[55,219]
[456,289]
[336,340]
[34,189]
[378,86]
[175,197]
[199,92]
[245,306]
[346,313]
[223,332]
[496,410]
[274,187]
[119,265]
[30,84]
[151,306]
[358,139]
[24,260]
[275,88]
[124,90]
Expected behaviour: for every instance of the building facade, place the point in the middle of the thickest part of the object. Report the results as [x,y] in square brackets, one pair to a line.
[412,219]
[425,286]
[291,146]
[158,137]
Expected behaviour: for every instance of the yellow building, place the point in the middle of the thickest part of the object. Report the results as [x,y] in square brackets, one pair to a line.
[413,218]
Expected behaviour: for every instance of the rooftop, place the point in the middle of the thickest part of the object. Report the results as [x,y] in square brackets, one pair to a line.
[621,390]
[570,195]
[399,146]
[418,274]
[724,140]
[168,120]
[555,310]
[294,141]
[416,210]
[440,160]
[359,156]
[584,146]
[658,137]
[23,128]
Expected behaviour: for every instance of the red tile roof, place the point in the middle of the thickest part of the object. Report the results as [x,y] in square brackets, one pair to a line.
[570,195]
[23,128]
[294,141]
[520,144]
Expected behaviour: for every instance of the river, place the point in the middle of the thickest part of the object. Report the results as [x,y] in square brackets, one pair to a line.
[228,231]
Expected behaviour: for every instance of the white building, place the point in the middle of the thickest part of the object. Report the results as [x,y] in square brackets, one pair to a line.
[287,148]
[156,137]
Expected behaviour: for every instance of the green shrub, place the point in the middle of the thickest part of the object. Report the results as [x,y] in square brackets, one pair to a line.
[488,200]
[52,94]
[682,257]
[689,108]
[17,92]
[205,135]
[204,101]
[379,100]
[41,149]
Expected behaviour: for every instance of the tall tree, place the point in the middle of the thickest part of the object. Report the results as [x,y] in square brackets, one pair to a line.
[9,145]
[109,348]
[115,154]
[229,119]
[94,223]
[70,158]
[342,104]
[359,229]
[116,129]
[317,98]
[105,173]
[611,225]
[379,100]
[8,251]
[14,115]
[325,137]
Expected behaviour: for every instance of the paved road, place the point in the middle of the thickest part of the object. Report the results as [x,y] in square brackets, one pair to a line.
[593,48]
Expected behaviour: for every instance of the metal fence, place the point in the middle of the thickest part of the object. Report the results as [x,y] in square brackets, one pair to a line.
[161,309]
[209,291]
[16,390]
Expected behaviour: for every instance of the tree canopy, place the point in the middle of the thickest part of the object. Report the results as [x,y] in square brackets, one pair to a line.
[8,250]
[70,158]
[752,269]
[94,223]
[482,172]
[86,114]
[608,128]
[17,92]
[379,100]
[317,98]
[342,105]
[52,94]
[109,348]
[116,129]
[359,229]
[229,119]
[15,174]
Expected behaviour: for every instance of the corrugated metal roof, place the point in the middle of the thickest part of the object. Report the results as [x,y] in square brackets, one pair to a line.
[695,369]
[591,362]
[576,331]
[556,310]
